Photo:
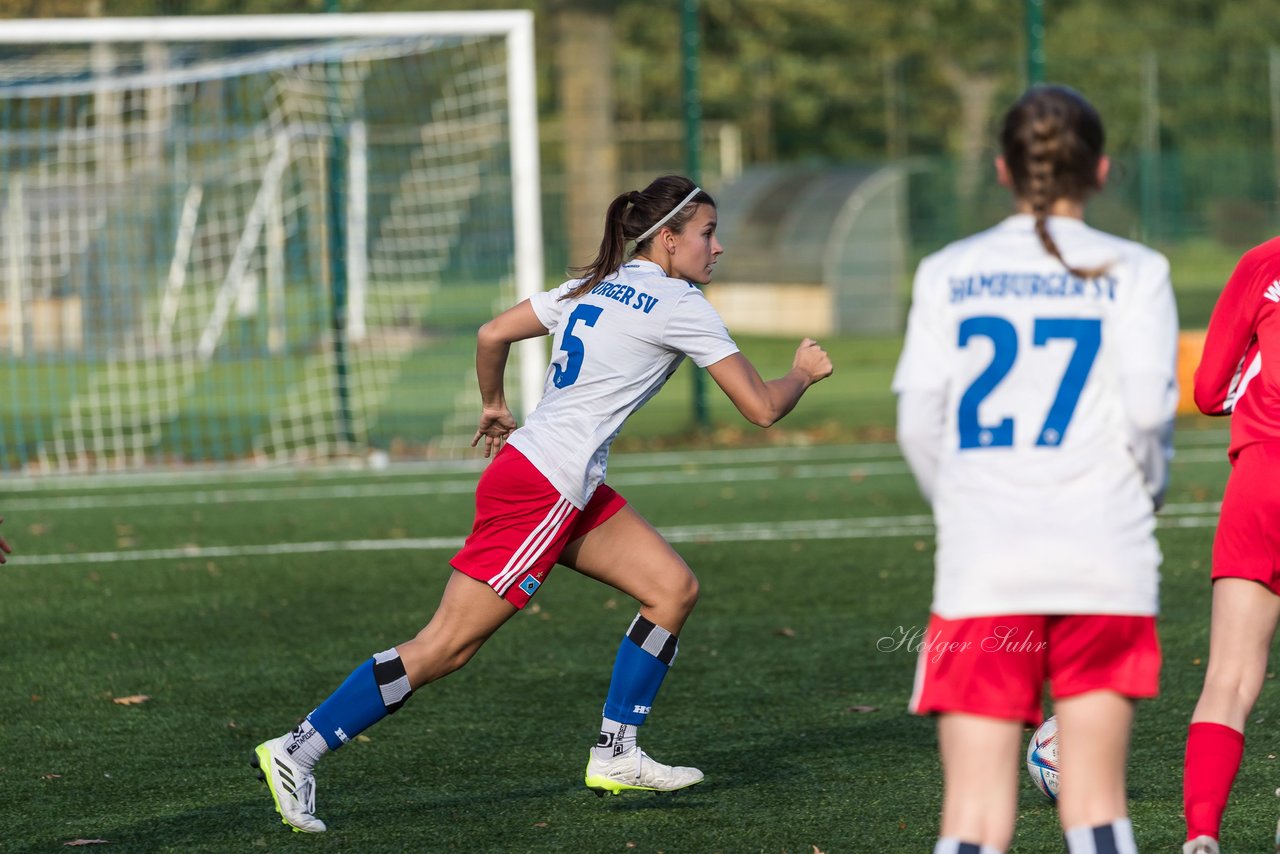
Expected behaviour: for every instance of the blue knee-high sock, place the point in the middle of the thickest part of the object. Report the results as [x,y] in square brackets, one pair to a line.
[375,689]
[644,657]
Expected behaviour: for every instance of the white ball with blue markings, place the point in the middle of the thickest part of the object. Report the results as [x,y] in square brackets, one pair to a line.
[1042,758]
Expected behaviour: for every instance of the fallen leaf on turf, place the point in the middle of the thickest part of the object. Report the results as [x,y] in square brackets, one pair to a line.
[131,700]
[77,842]
[59,776]
[786,633]
[541,824]
[364,739]
[863,709]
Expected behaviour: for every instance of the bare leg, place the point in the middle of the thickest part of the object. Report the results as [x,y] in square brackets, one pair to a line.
[980,778]
[468,614]
[1093,731]
[1243,624]
[628,554]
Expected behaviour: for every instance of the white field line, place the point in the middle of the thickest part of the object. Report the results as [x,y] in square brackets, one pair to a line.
[312,492]
[356,468]
[1191,515]
[696,470]
[1195,446]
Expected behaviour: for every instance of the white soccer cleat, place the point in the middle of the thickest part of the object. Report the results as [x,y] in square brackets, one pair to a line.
[293,791]
[1201,845]
[635,771]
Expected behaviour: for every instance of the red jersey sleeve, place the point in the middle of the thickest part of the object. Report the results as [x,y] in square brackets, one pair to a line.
[1231,344]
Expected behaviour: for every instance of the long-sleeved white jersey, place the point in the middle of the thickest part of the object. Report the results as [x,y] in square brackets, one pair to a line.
[1039,409]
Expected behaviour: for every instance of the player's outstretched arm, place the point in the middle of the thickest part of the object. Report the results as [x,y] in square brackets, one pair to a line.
[4,546]
[493,346]
[764,403]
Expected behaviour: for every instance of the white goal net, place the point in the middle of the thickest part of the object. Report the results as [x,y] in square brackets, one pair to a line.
[259,238]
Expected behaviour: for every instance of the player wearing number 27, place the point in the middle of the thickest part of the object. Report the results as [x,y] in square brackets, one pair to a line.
[1036,394]
[620,331]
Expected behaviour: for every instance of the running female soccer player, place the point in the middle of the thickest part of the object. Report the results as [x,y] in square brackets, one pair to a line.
[1036,398]
[1239,375]
[620,331]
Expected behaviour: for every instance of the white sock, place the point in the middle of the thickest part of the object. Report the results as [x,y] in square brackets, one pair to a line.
[305,745]
[1113,838]
[615,738]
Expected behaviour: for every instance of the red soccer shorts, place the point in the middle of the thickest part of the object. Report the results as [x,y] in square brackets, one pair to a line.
[997,666]
[522,525]
[1247,544]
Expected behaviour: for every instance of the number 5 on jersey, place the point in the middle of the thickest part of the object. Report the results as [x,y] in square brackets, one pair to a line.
[1087,335]
[573,346]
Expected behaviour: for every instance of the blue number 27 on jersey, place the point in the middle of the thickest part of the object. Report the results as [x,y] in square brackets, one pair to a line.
[1086,332]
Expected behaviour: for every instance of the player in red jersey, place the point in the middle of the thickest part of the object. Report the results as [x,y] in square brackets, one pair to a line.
[1239,375]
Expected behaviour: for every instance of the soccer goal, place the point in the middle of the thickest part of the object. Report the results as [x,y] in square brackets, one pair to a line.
[259,239]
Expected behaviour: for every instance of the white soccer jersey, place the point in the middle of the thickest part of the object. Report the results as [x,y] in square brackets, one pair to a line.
[1039,503]
[613,349]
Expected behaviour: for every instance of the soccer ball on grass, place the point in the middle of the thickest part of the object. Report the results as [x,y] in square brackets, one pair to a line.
[1042,758]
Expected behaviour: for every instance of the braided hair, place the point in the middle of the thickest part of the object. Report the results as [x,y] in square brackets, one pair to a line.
[632,214]
[1052,141]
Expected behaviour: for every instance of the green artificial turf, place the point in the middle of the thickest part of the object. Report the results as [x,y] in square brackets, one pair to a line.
[782,694]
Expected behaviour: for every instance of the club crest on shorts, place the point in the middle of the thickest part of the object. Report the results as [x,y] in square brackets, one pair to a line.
[530,584]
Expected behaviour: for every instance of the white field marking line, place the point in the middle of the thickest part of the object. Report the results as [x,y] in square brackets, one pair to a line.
[349,491]
[240,496]
[435,487]
[1200,440]
[857,528]
[619,461]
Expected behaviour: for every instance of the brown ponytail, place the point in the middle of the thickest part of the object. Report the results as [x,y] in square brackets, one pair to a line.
[632,214]
[1052,141]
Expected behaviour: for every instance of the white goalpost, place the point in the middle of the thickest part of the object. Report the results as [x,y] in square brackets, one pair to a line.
[260,238]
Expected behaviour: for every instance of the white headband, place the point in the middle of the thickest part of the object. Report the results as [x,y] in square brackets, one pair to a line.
[660,223]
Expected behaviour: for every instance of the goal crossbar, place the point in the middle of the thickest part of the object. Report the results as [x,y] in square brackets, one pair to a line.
[517,23]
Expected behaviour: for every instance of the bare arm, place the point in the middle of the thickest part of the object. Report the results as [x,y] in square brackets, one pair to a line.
[493,345]
[764,403]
